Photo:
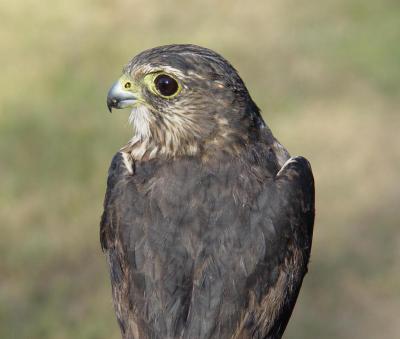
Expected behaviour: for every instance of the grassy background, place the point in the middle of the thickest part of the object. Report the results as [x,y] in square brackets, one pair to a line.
[327,76]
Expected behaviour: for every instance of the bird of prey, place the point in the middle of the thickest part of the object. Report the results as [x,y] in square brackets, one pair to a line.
[208,221]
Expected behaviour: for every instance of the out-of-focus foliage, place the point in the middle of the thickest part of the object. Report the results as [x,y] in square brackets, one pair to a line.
[327,77]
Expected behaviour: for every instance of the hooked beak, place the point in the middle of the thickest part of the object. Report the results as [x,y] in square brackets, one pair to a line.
[118,97]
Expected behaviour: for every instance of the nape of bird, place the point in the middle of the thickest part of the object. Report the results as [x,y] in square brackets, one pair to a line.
[208,221]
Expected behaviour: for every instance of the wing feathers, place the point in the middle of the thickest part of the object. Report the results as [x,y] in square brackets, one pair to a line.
[215,269]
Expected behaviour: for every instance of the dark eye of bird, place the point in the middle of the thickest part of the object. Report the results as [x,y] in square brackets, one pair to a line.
[166,85]
[128,85]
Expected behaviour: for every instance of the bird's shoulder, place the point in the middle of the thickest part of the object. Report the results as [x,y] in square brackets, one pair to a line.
[284,211]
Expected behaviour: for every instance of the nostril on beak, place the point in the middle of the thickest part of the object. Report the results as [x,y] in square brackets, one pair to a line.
[118,97]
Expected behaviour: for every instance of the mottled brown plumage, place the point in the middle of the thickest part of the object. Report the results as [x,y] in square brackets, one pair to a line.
[207,223]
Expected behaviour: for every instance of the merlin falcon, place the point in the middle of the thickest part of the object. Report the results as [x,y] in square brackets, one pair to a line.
[208,221]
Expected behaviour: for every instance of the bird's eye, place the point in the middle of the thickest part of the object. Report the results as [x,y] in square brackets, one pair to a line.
[166,85]
[127,85]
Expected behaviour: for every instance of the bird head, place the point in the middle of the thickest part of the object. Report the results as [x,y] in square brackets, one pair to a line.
[184,99]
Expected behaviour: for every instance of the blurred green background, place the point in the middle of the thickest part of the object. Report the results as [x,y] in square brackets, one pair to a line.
[327,77]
